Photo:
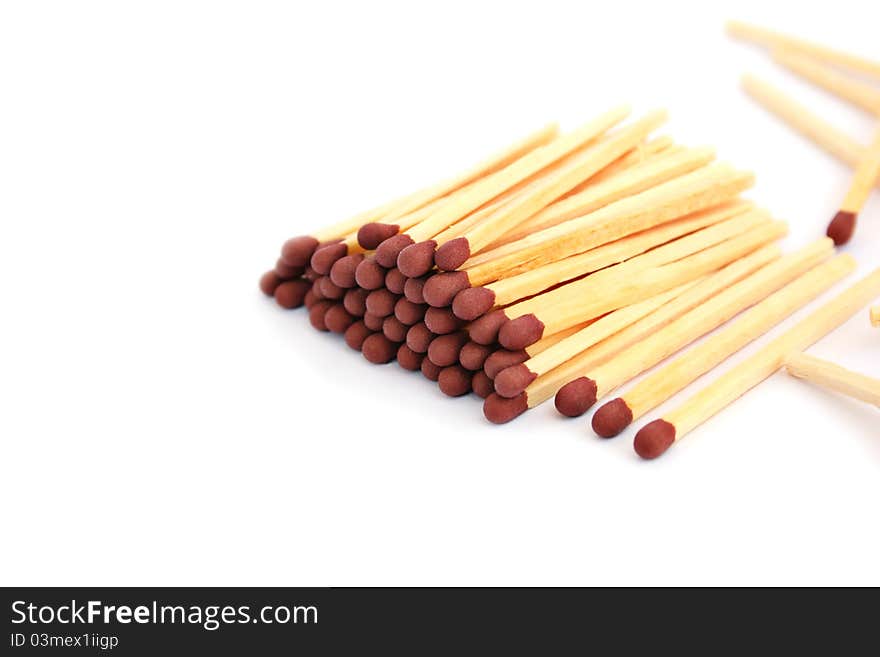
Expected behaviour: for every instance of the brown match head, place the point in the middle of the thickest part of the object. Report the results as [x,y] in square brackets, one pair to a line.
[323,258]
[387,252]
[501,359]
[440,289]
[373,322]
[441,321]
[381,302]
[337,319]
[311,298]
[842,227]
[485,329]
[317,312]
[417,259]
[499,410]
[373,234]
[455,381]
[329,289]
[269,282]
[292,294]
[482,385]
[369,274]
[472,303]
[654,438]
[413,289]
[355,301]
[286,272]
[453,254]
[511,381]
[297,251]
[612,418]
[342,271]
[444,349]
[429,370]
[408,312]
[378,349]
[521,332]
[394,329]
[395,280]
[473,355]
[356,334]
[576,397]
[408,359]
[419,337]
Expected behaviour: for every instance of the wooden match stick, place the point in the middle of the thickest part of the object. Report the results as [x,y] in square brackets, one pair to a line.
[702,189]
[453,253]
[492,186]
[636,179]
[469,303]
[834,377]
[844,223]
[635,157]
[875,316]
[299,250]
[514,379]
[775,40]
[801,119]
[584,392]
[499,409]
[655,438]
[650,392]
[407,212]
[629,283]
[856,92]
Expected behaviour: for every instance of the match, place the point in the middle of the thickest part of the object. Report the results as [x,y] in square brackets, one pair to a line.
[834,377]
[776,41]
[615,416]
[854,91]
[802,120]
[875,316]
[843,225]
[655,438]
[499,409]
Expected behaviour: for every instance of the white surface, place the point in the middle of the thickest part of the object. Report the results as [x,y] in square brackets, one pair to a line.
[163,423]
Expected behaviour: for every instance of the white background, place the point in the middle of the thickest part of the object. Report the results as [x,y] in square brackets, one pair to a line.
[163,423]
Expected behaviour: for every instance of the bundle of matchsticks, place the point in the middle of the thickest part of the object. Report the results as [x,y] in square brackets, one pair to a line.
[566,265]
[842,74]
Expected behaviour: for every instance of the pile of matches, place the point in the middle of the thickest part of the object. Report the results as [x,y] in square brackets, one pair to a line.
[843,75]
[566,265]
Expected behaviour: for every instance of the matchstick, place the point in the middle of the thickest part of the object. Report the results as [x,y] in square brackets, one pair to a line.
[498,409]
[366,231]
[655,438]
[842,226]
[834,377]
[411,209]
[451,254]
[634,180]
[629,283]
[775,40]
[856,92]
[702,189]
[512,380]
[875,316]
[801,119]
[583,393]
[612,418]
[496,184]
[469,303]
